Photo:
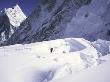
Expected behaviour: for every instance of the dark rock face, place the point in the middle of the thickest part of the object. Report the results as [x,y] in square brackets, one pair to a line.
[4,26]
[48,21]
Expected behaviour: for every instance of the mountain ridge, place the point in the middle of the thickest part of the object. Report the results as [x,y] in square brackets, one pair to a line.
[46,24]
[63,19]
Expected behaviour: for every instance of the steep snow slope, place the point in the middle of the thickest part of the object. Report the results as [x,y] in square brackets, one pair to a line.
[54,19]
[10,19]
[91,22]
[102,46]
[36,63]
[97,74]
[48,21]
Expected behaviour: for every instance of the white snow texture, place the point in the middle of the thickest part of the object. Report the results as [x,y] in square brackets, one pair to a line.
[61,60]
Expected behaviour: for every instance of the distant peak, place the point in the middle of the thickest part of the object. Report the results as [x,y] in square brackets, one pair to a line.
[17,6]
[16,15]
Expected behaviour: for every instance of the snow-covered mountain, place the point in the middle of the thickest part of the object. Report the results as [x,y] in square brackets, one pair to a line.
[60,60]
[10,20]
[53,19]
[47,21]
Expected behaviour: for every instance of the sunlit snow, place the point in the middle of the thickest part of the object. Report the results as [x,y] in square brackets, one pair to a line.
[36,63]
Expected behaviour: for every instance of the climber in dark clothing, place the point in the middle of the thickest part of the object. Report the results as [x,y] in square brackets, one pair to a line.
[51,50]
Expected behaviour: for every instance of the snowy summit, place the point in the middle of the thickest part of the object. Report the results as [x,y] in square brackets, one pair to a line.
[16,16]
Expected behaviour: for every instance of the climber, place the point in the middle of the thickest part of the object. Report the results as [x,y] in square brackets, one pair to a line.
[51,50]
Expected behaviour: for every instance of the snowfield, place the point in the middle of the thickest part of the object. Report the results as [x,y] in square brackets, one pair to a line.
[36,62]
[100,73]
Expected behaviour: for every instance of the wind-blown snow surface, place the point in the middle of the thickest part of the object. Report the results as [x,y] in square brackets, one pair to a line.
[36,63]
[100,73]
